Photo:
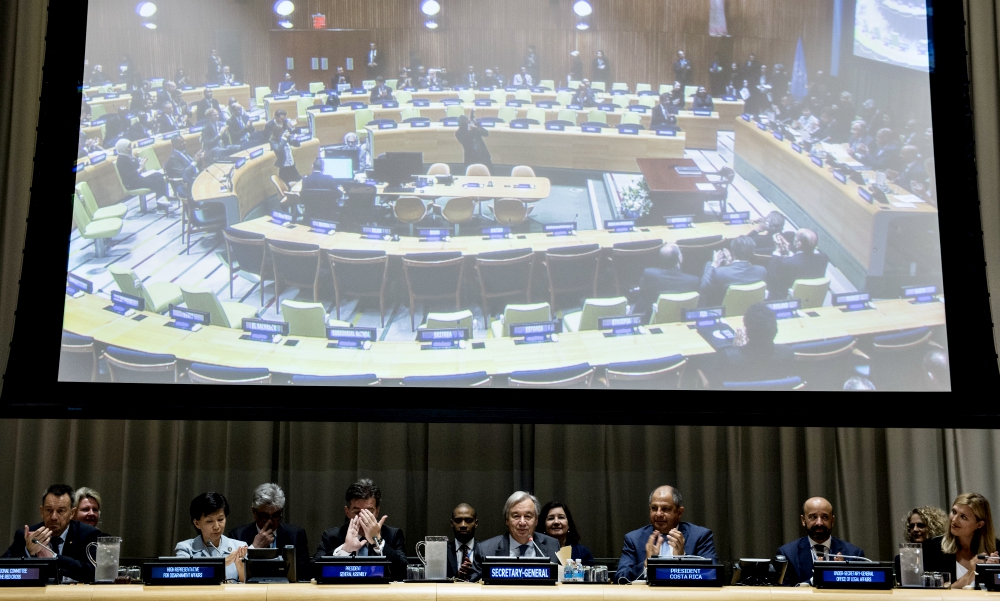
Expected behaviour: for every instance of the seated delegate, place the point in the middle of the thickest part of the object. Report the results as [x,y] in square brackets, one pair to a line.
[208,513]
[818,519]
[665,278]
[268,531]
[754,357]
[520,514]
[464,548]
[557,521]
[970,535]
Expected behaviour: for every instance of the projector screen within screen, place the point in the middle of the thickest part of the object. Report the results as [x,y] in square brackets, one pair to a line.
[893,32]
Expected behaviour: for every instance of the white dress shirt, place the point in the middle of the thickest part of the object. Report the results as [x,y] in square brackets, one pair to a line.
[515,551]
[458,553]
[826,545]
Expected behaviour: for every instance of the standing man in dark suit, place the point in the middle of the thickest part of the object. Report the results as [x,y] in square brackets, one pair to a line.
[463,549]
[363,533]
[59,536]
[214,67]
[533,64]
[267,530]
[601,70]
[805,264]
[717,77]
[520,512]
[375,61]
[750,70]
[682,69]
[817,518]
[729,267]
[666,279]
[665,536]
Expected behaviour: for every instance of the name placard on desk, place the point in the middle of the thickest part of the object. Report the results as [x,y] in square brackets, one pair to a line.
[534,333]
[591,129]
[637,108]
[519,571]
[79,167]
[453,338]
[840,177]
[738,218]
[853,575]
[180,571]
[920,294]
[816,161]
[125,304]
[376,233]
[515,103]
[684,575]
[701,113]
[559,229]
[624,325]
[354,338]
[496,233]
[555,127]
[620,226]
[545,104]
[435,235]
[865,194]
[785,309]
[18,572]
[260,330]
[796,148]
[188,319]
[98,158]
[518,124]
[255,154]
[419,102]
[419,124]
[761,127]
[323,227]
[779,137]
[77,286]
[677,222]
[852,301]
[144,143]
[279,218]
[666,132]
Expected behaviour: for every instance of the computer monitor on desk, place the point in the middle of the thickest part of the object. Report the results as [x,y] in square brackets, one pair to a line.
[398,168]
[341,167]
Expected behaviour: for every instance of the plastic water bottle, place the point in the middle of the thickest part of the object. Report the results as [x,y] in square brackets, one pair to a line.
[577,570]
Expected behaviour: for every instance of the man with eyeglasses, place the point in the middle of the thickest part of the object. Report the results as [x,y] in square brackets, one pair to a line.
[267,530]
[463,551]
[818,545]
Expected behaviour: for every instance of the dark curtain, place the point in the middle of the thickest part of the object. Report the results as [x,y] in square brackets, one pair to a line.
[745,483]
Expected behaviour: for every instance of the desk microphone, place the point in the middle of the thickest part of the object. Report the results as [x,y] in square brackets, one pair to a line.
[222,179]
[531,539]
[857,557]
[574,221]
[46,547]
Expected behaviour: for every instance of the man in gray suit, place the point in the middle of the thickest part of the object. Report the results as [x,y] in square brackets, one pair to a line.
[520,512]
[730,267]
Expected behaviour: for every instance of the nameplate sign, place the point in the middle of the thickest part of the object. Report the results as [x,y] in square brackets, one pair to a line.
[624,325]
[739,218]
[144,143]
[255,154]
[539,90]
[637,108]
[701,113]
[816,161]
[856,575]
[196,129]
[619,92]
[761,127]
[98,158]
[555,127]
[785,309]
[729,98]
[483,102]
[517,571]
[491,88]
[680,221]
[171,135]
[796,148]
[352,338]
[260,330]
[534,333]
[184,572]
[575,107]
[560,229]
[852,301]
[705,318]
[840,177]
[628,130]
[279,218]
[666,132]
[434,235]
[486,122]
[591,129]
[211,85]
[779,137]
[436,89]
[125,304]
[607,108]
[19,572]
[515,103]
[451,102]
[496,233]
[79,167]
[865,194]
[388,125]
[745,117]
[239,163]
[420,102]
[620,226]
[188,319]
[920,294]
[77,286]
[376,233]
[683,575]
[390,104]
[111,96]
[323,227]
[519,125]
[420,124]
[545,104]
[443,339]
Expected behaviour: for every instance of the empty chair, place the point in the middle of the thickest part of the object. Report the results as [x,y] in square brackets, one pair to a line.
[361,380]
[522,95]
[575,376]
[522,171]
[474,380]
[409,113]
[827,364]
[642,87]
[439,169]
[698,251]
[504,276]
[410,210]
[812,293]
[598,86]
[125,365]
[631,118]
[666,88]
[739,297]
[392,84]
[467,96]
[458,210]
[629,260]
[90,203]
[568,115]
[594,309]
[670,308]
[359,206]
[572,269]
[500,96]
[596,116]
[564,98]
[573,84]
[259,93]
[477,170]
[158,296]
[361,274]
[517,314]
[403,97]
[433,276]
[547,83]
[619,87]
[203,373]
[897,358]
[620,101]
[361,119]
[98,230]
[307,319]
[647,101]
[658,374]
[456,110]
[223,314]
[202,217]
[77,358]
[511,211]
[507,114]
[294,264]
[722,179]
[316,87]
[792,383]
[246,254]
[536,114]
[449,321]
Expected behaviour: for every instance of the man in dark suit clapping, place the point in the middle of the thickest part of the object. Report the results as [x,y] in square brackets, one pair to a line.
[817,518]
[804,262]
[730,267]
[463,549]
[268,531]
[666,279]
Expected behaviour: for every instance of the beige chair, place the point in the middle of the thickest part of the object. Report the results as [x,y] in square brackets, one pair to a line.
[455,110]
[596,116]
[410,210]
[316,87]
[564,98]
[515,314]
[631,118]
[522,171]
[670,308]
[573,84]
[511,211]
[537,114]
[739,297]
[98,230]
[458,210]
[548,83]
[448,321]
[362,117]
[403,97]
[643,87]
[568,115]
[522,95]
[90,203]
[477,170]
[648,102]
[409,113]
[158,295]
[308,319]
[620,101]
[224,314]
[619,86]
[593,310]
[391,84]
[152,161]
[658,374]
[259,93]
[507,114]
[812,293]
[500,96]
[467,96]
[666,87]
[439,169]
[598,86]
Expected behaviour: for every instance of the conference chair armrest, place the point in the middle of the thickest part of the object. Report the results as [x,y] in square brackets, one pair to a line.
[861,355]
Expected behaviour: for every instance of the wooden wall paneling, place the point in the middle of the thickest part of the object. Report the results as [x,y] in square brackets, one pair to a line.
[303,46]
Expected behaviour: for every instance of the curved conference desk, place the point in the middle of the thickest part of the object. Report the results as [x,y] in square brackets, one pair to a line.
[189,94]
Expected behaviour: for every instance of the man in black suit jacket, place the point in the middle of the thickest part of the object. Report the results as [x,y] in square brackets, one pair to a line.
[662,112]
[584,95]
[240,126]
[728,268]
[207,102]
[682,69]
[268,531]
[363,533]
[750,70]
[817,518]
[521,514]
[464,549]
[913,169]
[181,166]
[375,61]
[884,155]
[666,279]
[807,263]
[60,533]
[381,92]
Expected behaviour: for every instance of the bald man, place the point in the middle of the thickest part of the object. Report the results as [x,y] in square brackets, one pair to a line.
[806,263]
[817,518]
[666,278]
[463,550]
[665,536]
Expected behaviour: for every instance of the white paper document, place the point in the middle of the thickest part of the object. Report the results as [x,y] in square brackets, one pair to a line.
[706,187]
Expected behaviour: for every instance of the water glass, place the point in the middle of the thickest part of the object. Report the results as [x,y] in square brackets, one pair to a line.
[414,572]
[600,574]
[588,573]
[945,579]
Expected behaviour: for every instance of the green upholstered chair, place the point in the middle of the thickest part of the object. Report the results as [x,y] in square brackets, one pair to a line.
[593,310]
[90,203]
[98,230]
[158,295]
[224,314]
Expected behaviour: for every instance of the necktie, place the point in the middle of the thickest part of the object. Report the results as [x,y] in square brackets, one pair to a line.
[464,550]
[820,552]
[521,550]
[54,543]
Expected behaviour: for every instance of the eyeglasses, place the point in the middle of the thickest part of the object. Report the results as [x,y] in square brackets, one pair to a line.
[269,516]
[917,525]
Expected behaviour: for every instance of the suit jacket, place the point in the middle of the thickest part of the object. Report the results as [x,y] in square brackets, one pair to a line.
[181,166]
[800,561]
[380,94]
[128,168]
[73,561]
[203,105]
[660,114]
[601,72]
[285,535]
[522,81]
[783,271]
[211,136]
[657,281]
[914,172]
[196,547]
[393,547]
[883,158]
[240,128]
[682,71]
[284,87]
[474,146]
[697,541]
[453,564]
[500,545]
[715,281]
[585,98]
[702,104]
[936,560]
[166,122]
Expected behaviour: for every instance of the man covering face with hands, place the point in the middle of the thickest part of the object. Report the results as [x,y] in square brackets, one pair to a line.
[268,529]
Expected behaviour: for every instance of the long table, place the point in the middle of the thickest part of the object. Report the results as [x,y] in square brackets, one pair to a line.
[221,93]
[536,146]
[878,247]
[481,188]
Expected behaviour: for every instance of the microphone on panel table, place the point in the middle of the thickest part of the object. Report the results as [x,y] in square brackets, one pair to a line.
[838,557]
[44,546]
[531,539]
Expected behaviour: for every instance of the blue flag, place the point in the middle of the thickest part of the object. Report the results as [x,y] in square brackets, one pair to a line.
[800,75]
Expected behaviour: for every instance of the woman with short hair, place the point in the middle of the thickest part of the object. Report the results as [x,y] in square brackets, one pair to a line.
[208,515]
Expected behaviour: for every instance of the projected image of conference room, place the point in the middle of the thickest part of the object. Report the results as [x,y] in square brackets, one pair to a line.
[735,194]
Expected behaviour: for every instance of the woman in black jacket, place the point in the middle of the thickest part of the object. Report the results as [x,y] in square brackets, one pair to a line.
[970,534]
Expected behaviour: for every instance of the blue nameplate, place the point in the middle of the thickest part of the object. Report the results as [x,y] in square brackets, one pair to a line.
[280,97]
[539,90]
[515,103]
[376,233]
[239,163]
[518,125]
[524,186]
[279,218]
[420,102]
[489,123]
[680,575]
[746,117]
[77,168]
[855,575]
[352,574]
[701,113]
[511,89]
[796,148]
[212,85]
[516,572]
[533,333]
[483,102]
[260,330]
[761,126]
[496,233]
[559,229]
[785,309]
[356,106]
[705,318]
[390,104]
[359,91]
[97,158]
[171,135]
[852,301]
[256,153]
[619,92]
[575,107]
[355,338]
[920,294]
[111,96]
[591,129]
[840,177]
[182,573]
[389,125]
[487,88]
[328,109]
[27,572]
[196,129]
[460,88]
[620,226]
[308,136]
[144,143]
[409,89]
[666,132]
[607,108]
[77,286]
[188,319]
[420,124]
[436,89]
[434,235]
[185,88]
[739,218]
[631,131]
[472,185]
[680,222]
[865,194]
[451,102]
[323,227]
[305,95]
[443,339]
[624,325]
[779,137]
[637,108]
[545,104]
[648,93]
[729,98]
[555,127]
[817,161]
[868,576]
[257,118]
[125,304]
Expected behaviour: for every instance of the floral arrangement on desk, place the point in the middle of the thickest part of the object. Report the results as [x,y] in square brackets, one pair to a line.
[635,200]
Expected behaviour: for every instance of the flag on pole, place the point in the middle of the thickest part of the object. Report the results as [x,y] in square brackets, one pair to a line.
[800,75]
[717,18]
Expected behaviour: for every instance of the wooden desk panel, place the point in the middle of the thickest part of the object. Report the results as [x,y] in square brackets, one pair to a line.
[241,93]
[383,592]
[226,592]
[111,104]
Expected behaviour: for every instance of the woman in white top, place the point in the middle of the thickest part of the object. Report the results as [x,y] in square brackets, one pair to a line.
[208,514]
[969,536]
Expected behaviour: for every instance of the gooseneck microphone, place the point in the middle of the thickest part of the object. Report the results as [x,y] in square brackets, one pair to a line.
[531,539]
[832,557]
[44,546]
